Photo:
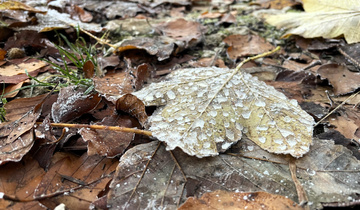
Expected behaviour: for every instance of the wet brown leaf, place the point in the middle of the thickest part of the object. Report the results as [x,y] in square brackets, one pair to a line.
[2,54]
[190,32]
[277,4]
[131,104]
[72,103]
[245,45]
[343,80]
[328,173]
[15,73]
[17,138]
[161,47]
[88,69]
[230,200]
[109,143]
[19,180]
[113,83]
[74,181]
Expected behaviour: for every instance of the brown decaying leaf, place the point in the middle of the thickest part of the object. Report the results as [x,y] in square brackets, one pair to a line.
[2,54]
[72,103]
[109,143]
[84,15]
[11,90]
[89,69]
[343,80]
[113,83]
[328,173]
[245,45]
[131,104]
[277,4]
[204,119]
[17,138]
[345,126]
[76,181]
[220,199]
[19,180]
[17,108]
[189,32]
[160,46]
[16,72]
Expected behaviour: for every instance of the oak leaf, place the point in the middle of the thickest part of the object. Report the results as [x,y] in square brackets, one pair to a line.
[204,111]
[322,18]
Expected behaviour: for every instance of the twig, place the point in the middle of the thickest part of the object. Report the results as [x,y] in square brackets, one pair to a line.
[303,200]
[103,127]
[340,105]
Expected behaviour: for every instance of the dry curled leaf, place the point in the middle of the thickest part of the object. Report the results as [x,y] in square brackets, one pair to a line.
[205,110]
[130,104]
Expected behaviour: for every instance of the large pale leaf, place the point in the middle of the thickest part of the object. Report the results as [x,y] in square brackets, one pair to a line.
[205,110]
[323,18]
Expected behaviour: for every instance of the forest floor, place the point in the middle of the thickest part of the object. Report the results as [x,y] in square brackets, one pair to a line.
[134,105]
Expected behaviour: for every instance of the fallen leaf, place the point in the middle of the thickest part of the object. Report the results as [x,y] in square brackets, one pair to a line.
[53,20]
[245,45]
[113,83]
[343,80]
[322,18]
[220,199]
[277,4]
[345,126]
[17,108]
[109,143]
[15,5]
[2,54]
[19,180]
[11,90]
[17,138]
[161,47]
[89,69]
[72,103]
[74,181]
[16,72]
[190,32]
[204,119]
[149,177]
[130,104]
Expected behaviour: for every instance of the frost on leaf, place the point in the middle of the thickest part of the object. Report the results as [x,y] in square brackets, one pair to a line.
[205,110]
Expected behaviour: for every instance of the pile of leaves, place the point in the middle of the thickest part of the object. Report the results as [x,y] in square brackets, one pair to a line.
[191,108]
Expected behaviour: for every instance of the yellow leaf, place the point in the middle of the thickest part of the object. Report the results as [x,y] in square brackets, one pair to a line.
[322,18]
[15,5]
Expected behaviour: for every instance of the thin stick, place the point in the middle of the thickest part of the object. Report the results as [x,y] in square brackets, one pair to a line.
[104,127]
[303,200]
[94,37]
[326,116]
